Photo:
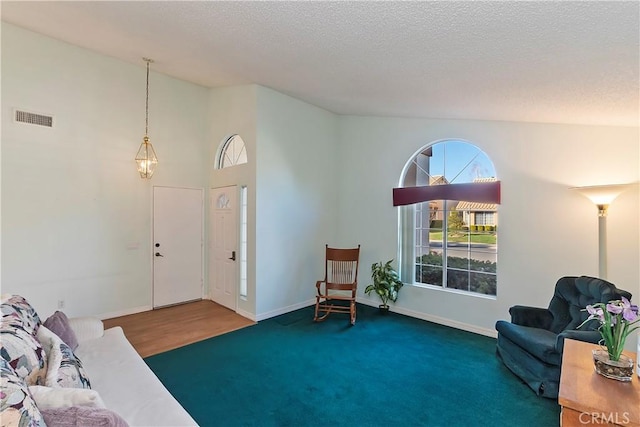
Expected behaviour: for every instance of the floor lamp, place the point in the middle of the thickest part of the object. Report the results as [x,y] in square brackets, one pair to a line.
[602,196]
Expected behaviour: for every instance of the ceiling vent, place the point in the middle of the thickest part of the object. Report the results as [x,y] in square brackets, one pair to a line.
[33,118]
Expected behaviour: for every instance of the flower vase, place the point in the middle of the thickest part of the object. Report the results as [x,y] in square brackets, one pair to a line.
[638,359]
[620,370]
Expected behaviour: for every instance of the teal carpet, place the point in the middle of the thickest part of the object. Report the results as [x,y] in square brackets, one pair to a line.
[388,370]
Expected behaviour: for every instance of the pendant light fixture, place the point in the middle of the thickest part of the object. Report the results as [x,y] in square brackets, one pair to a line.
[146,159]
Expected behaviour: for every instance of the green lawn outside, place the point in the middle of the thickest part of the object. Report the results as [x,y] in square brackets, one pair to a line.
[486,237]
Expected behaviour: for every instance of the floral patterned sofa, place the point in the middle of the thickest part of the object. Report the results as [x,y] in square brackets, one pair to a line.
[71,372]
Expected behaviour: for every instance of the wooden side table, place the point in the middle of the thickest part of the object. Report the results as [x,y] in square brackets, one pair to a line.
[589,399]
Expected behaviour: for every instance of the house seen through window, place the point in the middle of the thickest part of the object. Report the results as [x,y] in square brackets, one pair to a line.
[449,243]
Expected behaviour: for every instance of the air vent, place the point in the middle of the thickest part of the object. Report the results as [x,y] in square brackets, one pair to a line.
[34,119]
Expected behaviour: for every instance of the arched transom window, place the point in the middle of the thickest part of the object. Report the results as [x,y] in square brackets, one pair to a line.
[232,152]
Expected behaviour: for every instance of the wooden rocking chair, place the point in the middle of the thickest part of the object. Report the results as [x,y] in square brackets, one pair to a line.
[338,295]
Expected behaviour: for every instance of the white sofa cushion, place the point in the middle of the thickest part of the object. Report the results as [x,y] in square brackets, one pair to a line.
[58,397]
[86,328]
[127,385]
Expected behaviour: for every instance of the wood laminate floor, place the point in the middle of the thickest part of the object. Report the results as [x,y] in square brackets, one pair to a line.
[163,329]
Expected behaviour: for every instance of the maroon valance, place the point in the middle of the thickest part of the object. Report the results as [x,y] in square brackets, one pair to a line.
[479,192]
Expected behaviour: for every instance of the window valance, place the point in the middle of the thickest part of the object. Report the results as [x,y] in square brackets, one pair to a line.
[480,192]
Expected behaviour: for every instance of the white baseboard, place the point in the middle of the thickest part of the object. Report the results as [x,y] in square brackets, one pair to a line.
[370,302]
[283,310]
[435,319]
[126,312]
[246,314]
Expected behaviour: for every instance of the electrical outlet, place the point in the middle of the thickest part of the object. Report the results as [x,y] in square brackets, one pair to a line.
[60,303]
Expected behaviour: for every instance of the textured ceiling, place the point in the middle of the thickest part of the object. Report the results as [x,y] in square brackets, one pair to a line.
[551,61]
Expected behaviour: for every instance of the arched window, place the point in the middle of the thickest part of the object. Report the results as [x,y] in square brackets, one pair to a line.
[232,152]
[447,242]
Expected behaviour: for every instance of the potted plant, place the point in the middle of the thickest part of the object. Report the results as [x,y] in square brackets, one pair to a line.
[616,320]
[386,283]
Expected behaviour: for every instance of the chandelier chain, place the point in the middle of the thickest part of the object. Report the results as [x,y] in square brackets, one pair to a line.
[146,159]
[146,111]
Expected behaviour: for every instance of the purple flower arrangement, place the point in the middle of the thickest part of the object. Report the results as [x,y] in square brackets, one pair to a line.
[616,320]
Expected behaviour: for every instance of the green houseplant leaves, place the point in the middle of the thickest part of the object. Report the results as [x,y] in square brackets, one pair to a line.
[386,282]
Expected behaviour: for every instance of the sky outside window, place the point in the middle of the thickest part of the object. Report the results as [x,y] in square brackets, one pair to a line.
[460,162]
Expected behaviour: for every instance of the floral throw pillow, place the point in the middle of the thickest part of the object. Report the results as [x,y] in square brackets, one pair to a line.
[71,373]
[65,368]
[24,354]
[17,407]
[16,311]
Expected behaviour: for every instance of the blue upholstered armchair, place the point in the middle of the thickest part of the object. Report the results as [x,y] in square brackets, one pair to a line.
[531,344]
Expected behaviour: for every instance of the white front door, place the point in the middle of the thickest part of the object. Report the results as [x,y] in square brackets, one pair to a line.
[177,245]
[223,246]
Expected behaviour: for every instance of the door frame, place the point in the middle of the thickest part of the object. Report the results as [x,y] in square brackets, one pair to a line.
[202,240]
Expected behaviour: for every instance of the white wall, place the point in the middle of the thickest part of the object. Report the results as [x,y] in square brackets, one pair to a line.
[76,217]
[297,198]
[546,230]
[292,195]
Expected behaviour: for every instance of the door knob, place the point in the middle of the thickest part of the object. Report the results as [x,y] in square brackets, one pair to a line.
[159,254]
[233,256]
